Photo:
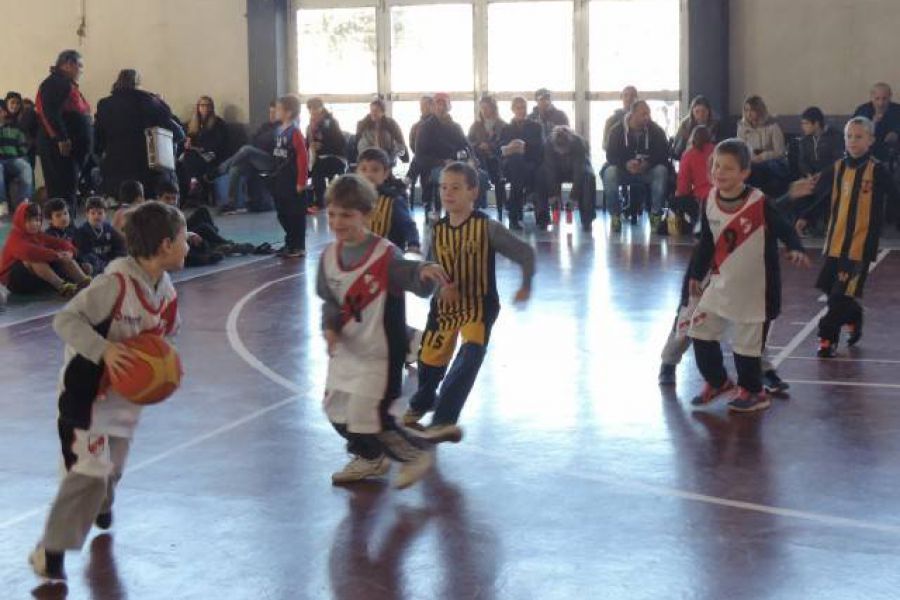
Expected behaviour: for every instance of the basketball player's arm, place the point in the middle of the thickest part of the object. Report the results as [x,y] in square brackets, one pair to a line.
[783,231]
[510,246]
[407,276]
[75,323]
[404,221]
[331,308]
[699,267]
[821,196]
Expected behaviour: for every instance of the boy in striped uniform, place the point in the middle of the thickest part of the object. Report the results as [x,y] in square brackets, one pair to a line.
[465,243]
[857,187]
[362,279]
[390,217]
[738,248]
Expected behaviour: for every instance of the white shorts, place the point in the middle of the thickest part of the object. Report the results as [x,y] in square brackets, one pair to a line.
[746,338]
[359,413]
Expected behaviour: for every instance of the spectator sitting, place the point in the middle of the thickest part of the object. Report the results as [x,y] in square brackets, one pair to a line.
[390,218]
[440,140]
[638,152]
[567,158]
[378,130]
[14,165]
[700,114]
[56,212]
[769,171]
[97,241]
[204,148]
[33,261]
[886,116]
[547,115]
[250,160]
[120,141]
[629,96]
[426,108]
[522,152]
[693,185]
[327,149]
[23,117]
[821,144]
[131,193]
[484,136]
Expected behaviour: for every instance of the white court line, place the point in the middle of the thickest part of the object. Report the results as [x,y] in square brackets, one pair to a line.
[612,480]
[885,361]
[887,386]
[187,278]
[813,323]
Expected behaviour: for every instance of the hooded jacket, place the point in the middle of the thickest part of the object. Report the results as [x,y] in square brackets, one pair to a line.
[22,246]
[765,141]
[817,153]
[626,143]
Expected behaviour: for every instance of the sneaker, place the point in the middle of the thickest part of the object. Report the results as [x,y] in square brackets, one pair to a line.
[666,374]
[412,471]
[773,384]
[294,253]
[855,331]
[826,348]
[67,290]
[710,393]
[46,564]
[360,468]
[104,520]
[616,224]
[746,402]
[442,433]
[655,220]
[412,417]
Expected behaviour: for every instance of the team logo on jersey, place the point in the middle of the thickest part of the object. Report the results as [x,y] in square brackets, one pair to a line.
[96,444]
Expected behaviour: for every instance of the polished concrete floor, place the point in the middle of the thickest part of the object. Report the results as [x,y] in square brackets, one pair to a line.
[578,478]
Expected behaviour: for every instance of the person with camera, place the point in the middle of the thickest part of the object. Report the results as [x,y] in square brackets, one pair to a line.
[637,154]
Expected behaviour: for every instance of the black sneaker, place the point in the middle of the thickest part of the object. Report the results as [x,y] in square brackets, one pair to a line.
[748,402]
[773,384]
[104,520]
[666,374]
[855,330]
[826,348]
[47,565]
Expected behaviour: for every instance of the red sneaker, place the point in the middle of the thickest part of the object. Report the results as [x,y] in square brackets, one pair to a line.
[710,393]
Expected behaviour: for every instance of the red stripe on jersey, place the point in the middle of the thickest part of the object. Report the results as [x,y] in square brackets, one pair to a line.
[742,225]
[366,289]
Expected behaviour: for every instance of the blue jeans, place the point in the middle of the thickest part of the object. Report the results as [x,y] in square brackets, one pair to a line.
[655,177]
[457,383]
[16,169]
[248,160]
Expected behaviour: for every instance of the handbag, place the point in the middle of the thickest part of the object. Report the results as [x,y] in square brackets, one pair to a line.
[160,149]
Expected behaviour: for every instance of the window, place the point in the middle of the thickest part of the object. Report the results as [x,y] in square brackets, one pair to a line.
[431,48]
[336,51]
[530,46]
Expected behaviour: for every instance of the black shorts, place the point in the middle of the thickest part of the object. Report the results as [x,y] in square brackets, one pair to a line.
[23,281]
[843,277]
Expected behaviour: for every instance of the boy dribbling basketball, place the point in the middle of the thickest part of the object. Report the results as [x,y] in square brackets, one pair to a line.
[134,295]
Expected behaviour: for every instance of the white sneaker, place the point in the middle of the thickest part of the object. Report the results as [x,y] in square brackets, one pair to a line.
[412,471]
[360,468]
[442,433]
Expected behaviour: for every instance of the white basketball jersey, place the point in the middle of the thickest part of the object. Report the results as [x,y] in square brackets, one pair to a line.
[360,364]
[737,284]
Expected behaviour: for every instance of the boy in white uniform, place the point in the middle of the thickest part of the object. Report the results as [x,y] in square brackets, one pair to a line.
[739,251]
[134,295]
[362,279]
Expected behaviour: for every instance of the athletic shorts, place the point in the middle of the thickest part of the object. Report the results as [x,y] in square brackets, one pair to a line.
[747,339]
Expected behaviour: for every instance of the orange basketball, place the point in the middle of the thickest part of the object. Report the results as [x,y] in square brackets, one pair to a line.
[155,373]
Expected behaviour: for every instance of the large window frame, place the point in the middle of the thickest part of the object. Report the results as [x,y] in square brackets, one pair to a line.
[582,95]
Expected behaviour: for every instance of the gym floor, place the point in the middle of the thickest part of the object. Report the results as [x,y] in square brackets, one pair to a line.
[578,477]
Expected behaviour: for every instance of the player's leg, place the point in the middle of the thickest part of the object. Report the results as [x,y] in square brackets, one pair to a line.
[118,453]
[368,457]
[438,346]
[705,332]
[748,344]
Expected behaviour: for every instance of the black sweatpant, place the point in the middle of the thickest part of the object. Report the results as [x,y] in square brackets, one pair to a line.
[61,173]
[842,310]
[325,169]
[291,211]
[712,366]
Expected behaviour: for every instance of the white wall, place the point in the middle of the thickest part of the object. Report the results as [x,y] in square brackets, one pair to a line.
[182,48]
[795,53]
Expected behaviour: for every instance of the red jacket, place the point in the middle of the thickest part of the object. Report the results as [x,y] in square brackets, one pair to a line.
[693,172]
[29,247]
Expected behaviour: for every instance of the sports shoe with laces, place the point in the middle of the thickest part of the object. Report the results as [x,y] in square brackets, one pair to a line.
[826,348]
[67,290]
[360,468]
[710,393]
[773,384]
[413,470]
[747,402]
[447,432]
[47,565]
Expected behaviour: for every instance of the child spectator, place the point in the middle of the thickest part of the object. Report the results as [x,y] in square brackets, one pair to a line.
[701,114]
[134,296]
[56,211]
[361,280]
[390,217]
[131,193]
[858,188]
[465,243]
[820,145]
[693,175]
[14,164]
[33,261]
[97,241]
[738,248]
[289,178]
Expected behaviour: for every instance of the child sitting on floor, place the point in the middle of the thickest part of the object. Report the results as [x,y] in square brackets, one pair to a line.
[97,241]
[131,193]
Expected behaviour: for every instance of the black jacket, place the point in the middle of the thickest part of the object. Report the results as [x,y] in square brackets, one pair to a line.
[328,133]
[889,123]
[64,115]
[438,141]
[264,138]
[98,248]
[651,143]
[212,139]
[817,154]
[119,135]
[529,132]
